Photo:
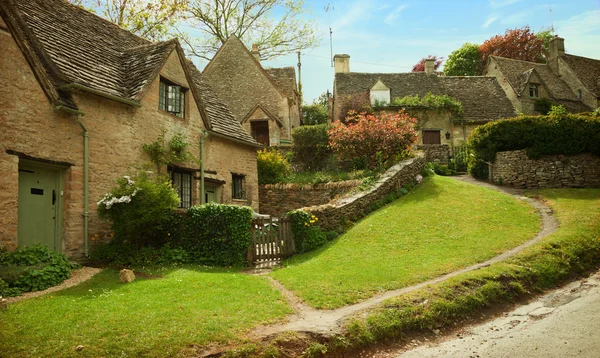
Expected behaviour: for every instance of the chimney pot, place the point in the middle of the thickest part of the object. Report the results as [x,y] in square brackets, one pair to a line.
[341,63]
[429,66]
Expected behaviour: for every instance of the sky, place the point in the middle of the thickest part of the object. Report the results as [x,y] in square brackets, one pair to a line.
[391,36]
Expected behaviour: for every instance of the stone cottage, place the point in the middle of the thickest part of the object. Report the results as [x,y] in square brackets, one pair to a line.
[569,80]
[264,101]
[482,99]
[79,97]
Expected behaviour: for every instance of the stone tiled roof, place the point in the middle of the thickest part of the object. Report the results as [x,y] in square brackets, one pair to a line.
[518,72]
[221,119]
[482,97]
[285,78]
[587,71]
[67,45]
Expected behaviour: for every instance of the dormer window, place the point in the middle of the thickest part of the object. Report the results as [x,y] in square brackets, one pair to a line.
[534,91]
[380,94]
[171,98]
[579,94]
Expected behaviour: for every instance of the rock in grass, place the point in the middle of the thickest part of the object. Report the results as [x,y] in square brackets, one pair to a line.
[3,303]
[126,276]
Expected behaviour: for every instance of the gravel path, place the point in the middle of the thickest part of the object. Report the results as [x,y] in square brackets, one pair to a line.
[77,277]
[328,322]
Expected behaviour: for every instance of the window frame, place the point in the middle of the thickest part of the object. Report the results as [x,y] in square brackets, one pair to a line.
[172,98]
[237,190]
[184,177]
[534,91]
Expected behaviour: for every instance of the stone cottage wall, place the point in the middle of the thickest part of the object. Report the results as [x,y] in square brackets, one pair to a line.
[515,169]
[29,127]
[437,153]
[331,216]
[278,199]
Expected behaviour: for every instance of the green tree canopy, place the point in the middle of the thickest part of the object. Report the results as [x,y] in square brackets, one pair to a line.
[464,61]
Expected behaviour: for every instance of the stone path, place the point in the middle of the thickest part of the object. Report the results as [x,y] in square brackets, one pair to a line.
[328,322]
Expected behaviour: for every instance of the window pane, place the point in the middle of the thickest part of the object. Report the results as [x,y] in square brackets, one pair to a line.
[162,88]
[186,190]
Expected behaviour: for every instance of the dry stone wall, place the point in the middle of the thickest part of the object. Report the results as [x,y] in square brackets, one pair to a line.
[437,153]
[515,169]
[332,216]
[278,199]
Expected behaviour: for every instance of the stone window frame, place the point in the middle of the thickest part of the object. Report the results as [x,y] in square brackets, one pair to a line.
[178,95]
[534,91]
[182,183]
[237,186]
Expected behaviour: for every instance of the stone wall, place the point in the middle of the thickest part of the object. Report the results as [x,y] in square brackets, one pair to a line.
[30,128]
[515,169]
[437,153]
[332,216]
[278,199]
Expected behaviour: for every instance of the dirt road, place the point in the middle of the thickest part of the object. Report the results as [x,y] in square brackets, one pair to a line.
[563,323]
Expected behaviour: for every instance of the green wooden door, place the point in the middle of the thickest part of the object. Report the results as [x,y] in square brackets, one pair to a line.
[38,199]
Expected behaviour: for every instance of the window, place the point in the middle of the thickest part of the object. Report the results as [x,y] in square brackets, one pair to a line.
[534,91]
[182,183]
[579,94]
[171,98]
[237,189]
[380,94]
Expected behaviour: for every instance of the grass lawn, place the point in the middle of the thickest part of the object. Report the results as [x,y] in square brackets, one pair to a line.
[441,226]
[190,305]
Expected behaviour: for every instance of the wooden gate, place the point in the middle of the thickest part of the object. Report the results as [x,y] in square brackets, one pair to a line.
[272,240]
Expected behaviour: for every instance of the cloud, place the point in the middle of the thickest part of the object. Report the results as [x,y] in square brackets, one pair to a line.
[581,32]
[392,16]
[502,3]
[517,19]
[489,21]
[359,11]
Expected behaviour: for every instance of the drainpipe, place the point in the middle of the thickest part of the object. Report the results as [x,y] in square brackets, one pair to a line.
[203,136]
[86,154]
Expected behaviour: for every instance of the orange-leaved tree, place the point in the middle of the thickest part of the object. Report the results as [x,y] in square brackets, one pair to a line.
[378,137]
[519,44]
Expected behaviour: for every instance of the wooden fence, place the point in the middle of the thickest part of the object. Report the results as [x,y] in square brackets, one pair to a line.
[272,240]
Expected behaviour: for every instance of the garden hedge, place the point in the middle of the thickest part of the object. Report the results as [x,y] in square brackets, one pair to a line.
[311,146]
[567,134]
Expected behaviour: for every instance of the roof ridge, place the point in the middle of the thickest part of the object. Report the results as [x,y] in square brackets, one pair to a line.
[512,59]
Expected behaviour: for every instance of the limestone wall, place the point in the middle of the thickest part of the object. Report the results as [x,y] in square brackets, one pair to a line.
[332,216]
[515,169]
[437,153]
[30,128]
[278,199]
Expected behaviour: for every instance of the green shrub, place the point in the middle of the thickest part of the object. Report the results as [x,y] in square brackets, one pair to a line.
[310,147]
[272,166]
[543,105]
[31,268]
[137,207]
[567,134]
[440,169]
[430,101]
[307,235]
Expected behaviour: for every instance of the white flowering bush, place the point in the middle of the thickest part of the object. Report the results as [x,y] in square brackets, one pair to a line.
[138,207]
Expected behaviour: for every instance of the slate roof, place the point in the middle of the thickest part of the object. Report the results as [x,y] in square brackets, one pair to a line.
[67,45]
[587,70]
[518,72]
[285,78]
[482,97]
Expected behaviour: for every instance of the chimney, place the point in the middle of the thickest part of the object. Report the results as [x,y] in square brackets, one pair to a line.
[255,52]
[557,47]
[429,65]
[341,63]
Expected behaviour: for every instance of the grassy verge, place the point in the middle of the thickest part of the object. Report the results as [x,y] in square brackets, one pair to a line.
[441,226]
[574,248]
[185,306]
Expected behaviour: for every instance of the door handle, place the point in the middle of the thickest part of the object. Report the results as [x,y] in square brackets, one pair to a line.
[53,197]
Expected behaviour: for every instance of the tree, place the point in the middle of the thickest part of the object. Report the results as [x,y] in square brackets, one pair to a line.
[420,66]
[276,26]
[378,138]
[463,62]
[546,36]
[313,114]
[150,19]
[519,44]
